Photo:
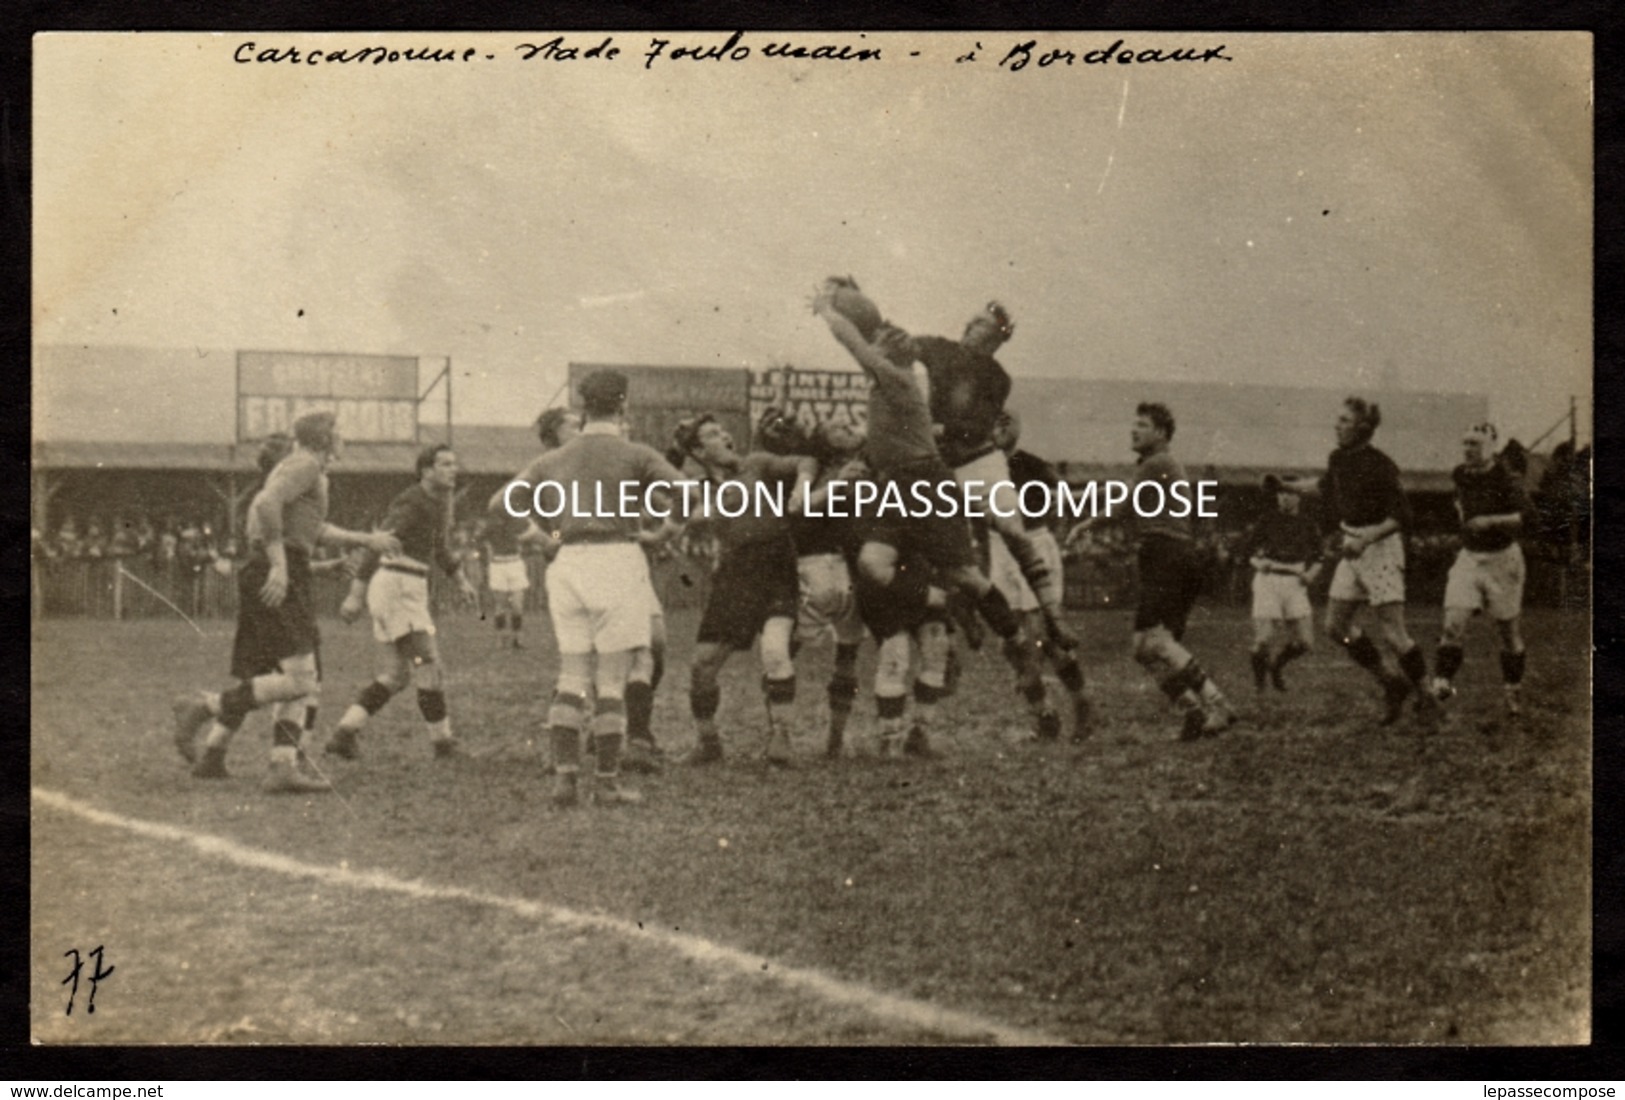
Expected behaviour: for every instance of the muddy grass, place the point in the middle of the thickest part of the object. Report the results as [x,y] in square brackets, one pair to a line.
[1304,879]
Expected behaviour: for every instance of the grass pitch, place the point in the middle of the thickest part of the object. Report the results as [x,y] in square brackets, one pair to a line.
[1307,878]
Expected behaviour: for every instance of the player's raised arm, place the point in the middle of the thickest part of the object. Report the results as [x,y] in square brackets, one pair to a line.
[871,357]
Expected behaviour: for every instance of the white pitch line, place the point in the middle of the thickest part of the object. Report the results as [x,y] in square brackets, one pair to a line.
[887,1006]
[1122,108]
[1110,157]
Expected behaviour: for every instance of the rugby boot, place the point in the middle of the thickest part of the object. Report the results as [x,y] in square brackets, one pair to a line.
[1192,725]
[212,764]
[1261,667]
[707,751]
[1395,690]
[284,777]
[565,792]
[344,744]
[191,715]
[643,757]
[1083,719]
[778,751]
[607,791]
[1049,726]
[918,744]
[449,748]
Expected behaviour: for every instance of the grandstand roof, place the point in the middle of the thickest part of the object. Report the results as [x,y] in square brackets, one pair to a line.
[146,408]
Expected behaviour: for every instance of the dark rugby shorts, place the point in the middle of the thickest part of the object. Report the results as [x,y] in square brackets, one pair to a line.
[943,541]
[267,635]
[754,582]
[1170,581]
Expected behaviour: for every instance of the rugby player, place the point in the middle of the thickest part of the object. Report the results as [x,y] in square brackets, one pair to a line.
[1488,573]
[394,590]
[597,586]
[1285,556]
[506,576]
[825,548]
[274,655]
[1362,495]
[902,451]
[1170,579]
[968,389]
[755,588]
[1036,641]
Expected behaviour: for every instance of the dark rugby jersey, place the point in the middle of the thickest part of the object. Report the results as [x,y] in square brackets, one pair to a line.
[1489,492]
[1287,539]
[1161,467]
[899,419]
[1361,488]
[422,522]
[968,391]
[758,524]
[1026,468]
[502,535]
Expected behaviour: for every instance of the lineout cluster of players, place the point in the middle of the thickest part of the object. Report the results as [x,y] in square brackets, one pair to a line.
[917,584]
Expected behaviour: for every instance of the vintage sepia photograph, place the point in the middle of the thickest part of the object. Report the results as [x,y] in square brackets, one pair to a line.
[811,539]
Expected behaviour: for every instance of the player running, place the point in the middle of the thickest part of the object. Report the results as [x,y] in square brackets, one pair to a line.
[1285,556]
[1362,495]
[1036,642]
[274,655]
[1170,579]
[394,589]
[597,586]
[755,588]
[1488,573]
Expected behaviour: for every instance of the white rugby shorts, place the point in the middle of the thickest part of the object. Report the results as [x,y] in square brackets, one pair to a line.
[1279,596]
[991,468]
[826,599]
[508,575]
[399,605]
[1376,577]
[1489,581]
[600,598]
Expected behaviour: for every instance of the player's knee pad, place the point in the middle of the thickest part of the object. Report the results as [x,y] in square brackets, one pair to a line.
[291,711]
[375,694]
[890,706]
[842,691]
[566,709]
[432,704]
[779,690]
[703,700]
[608,717]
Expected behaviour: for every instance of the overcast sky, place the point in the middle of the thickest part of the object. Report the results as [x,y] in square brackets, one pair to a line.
[1344,211]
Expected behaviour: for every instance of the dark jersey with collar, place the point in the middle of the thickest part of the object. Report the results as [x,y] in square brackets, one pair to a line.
[968,391]
[502,535]
[1361,488]
[422,521]
[1285,539]
[1492,491]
